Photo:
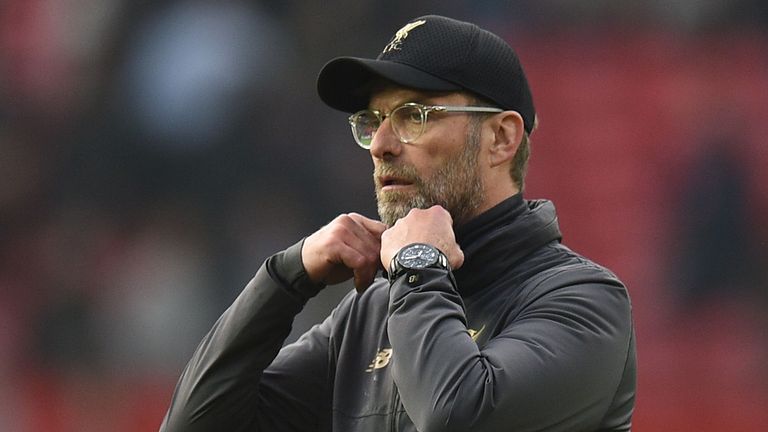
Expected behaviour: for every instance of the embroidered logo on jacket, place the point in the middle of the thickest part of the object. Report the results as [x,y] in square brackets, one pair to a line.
[381,360]
[474,334]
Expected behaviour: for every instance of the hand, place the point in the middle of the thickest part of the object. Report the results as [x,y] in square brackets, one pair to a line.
[348,247]
[433,226]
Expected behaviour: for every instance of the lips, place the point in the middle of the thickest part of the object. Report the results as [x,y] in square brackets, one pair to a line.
[393,181]
[391,177]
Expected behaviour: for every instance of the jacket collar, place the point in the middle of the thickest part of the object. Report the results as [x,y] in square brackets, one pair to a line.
[496,240]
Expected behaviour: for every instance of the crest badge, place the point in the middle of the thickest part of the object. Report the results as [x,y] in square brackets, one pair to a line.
[474,334]
[397,41]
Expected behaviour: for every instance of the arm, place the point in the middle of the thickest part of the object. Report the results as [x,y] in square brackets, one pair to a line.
[555,366]
[236,380]
[221,389]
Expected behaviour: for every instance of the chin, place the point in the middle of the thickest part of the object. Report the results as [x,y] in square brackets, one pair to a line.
[390,210]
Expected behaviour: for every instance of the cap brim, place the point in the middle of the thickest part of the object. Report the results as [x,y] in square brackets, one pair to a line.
[345,83]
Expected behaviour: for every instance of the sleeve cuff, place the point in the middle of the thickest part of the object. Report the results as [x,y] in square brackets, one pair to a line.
[287,268]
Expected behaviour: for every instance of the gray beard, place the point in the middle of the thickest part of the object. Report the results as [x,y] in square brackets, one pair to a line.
[455,186]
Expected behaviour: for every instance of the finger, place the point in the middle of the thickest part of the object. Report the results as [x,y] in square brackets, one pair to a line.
[364,277]
[341,244]
[364,248]
[356,260]
[442,214]
[372,226]
[355,235]
[363,269]
[364,228]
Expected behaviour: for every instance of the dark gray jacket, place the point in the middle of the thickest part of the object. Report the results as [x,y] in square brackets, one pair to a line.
[525,336]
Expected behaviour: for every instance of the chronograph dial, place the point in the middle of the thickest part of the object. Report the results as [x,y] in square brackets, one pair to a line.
[416,256]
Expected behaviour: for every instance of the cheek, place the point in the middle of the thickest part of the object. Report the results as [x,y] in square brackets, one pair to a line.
[427,164]
[444,146]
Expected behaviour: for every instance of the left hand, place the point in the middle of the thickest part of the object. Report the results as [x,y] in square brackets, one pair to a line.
[433,226]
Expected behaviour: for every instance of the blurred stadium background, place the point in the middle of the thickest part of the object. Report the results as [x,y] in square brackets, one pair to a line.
[153,153]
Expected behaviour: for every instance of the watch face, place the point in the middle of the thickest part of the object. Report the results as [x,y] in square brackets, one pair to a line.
[417,256]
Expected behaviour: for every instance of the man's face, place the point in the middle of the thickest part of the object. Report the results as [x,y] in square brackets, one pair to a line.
[439,168]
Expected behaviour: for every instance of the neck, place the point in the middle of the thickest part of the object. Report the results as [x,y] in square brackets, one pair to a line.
[495,195]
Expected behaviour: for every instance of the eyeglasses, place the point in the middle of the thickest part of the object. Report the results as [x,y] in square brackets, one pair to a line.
[408,121]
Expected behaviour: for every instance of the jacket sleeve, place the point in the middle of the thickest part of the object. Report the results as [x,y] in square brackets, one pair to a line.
[237,381]
[553,366]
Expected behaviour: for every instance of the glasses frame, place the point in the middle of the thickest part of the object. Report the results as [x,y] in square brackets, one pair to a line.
[424,111]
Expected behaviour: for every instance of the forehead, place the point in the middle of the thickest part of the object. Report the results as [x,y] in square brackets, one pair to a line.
[388,96]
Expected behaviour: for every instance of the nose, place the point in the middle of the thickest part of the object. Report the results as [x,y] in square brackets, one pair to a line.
[385,143]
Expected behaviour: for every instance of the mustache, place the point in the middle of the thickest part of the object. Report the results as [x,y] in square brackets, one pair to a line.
[402,172]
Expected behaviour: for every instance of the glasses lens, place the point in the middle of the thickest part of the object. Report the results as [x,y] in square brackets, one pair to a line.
[364,125]
[408,122]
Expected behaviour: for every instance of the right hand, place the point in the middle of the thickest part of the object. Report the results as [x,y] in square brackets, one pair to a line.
[348,247]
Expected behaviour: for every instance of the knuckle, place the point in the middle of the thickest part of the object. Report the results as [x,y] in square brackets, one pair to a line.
[373,257]
[339,228]
[361,261]
[333,233]
[342,219]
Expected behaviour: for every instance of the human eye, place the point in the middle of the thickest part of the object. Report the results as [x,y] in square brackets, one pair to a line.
[409,114]
[367,119]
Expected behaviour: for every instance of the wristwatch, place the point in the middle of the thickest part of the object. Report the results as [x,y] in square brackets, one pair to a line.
[416,256]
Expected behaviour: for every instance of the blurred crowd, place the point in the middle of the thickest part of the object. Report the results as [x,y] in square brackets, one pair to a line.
[154,153]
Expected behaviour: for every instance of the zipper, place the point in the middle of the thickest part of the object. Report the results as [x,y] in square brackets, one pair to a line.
[393,425]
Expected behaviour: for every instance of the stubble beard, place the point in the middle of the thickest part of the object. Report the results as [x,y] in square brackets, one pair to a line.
[456,186]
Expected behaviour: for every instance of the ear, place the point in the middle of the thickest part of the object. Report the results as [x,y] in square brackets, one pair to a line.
[508,132]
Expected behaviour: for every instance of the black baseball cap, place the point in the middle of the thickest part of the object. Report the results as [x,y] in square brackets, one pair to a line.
[433,53]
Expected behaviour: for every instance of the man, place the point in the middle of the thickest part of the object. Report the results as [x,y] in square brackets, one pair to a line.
[482,320]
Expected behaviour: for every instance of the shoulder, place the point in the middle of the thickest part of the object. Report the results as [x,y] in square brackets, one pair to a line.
[556,266]
[574,284]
